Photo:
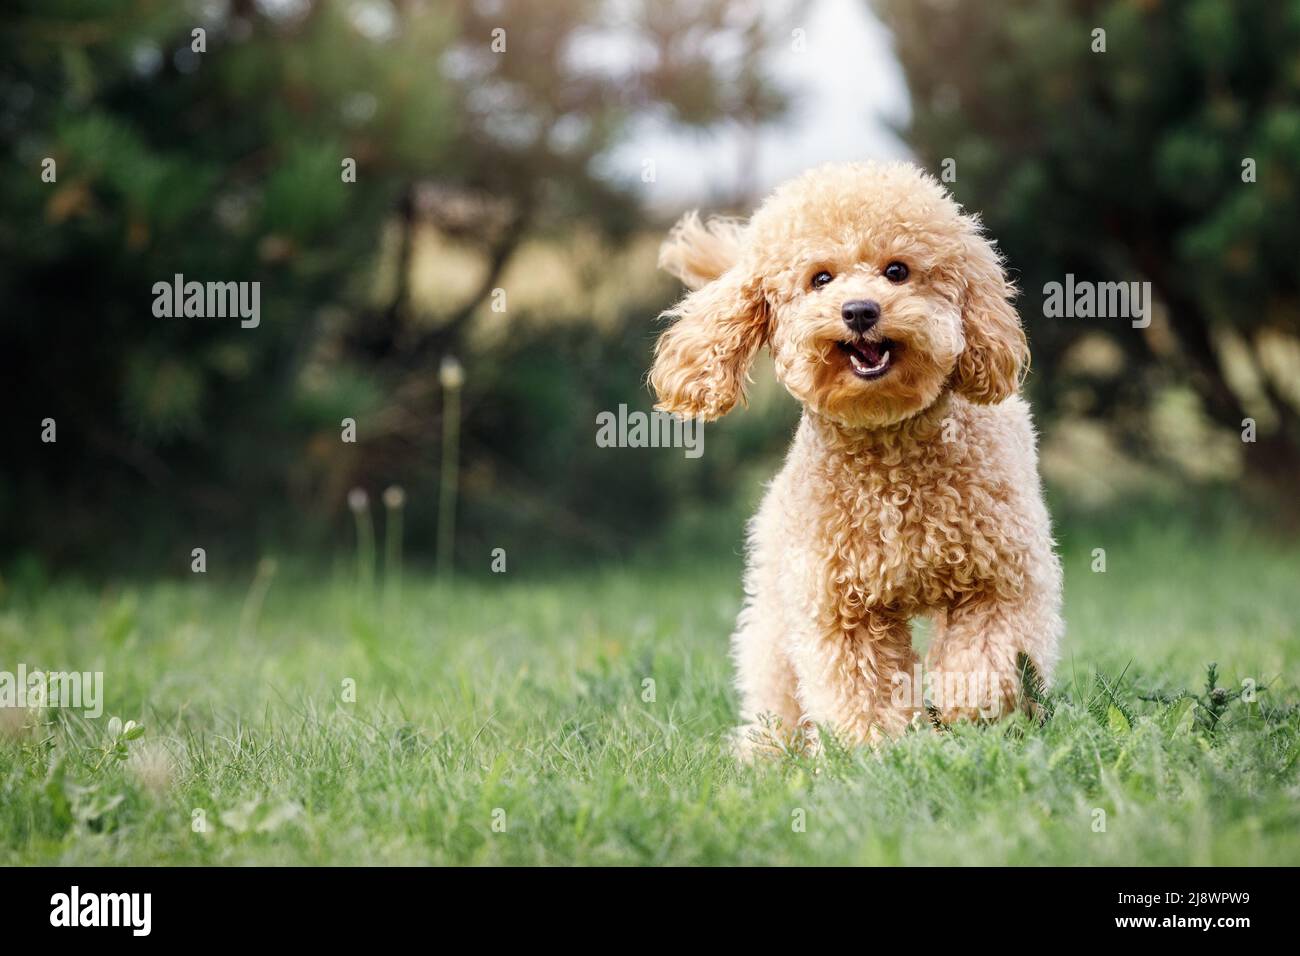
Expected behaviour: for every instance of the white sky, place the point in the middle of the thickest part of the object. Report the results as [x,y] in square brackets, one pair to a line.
[846,88]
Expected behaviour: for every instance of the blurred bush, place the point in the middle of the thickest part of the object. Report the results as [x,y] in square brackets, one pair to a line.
[482,133]
[213,139]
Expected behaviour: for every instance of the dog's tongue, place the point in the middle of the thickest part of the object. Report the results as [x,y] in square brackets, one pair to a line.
[869,352]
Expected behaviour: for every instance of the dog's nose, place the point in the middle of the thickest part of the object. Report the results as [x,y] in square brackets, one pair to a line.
[860,314]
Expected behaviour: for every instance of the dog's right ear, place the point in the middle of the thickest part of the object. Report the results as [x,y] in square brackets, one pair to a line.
[702,361]
[698,252]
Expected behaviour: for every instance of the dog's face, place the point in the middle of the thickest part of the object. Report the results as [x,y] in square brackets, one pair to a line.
[873,291]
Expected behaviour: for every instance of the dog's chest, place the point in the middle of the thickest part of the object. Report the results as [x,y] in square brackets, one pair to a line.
[908,528]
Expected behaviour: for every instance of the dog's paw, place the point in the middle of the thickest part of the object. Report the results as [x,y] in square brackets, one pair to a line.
[967,686]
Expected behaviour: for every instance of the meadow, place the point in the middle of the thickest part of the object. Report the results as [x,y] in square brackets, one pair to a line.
[579,716]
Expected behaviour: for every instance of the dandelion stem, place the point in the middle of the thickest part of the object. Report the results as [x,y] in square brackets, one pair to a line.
[359,503]
[452,378]
[394,499]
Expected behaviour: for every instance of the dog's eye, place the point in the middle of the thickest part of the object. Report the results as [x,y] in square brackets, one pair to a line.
[821,278]
[895,272]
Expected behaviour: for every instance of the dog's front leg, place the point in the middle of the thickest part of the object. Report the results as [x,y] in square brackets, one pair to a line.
[973,659]
[769,705]
[846,676]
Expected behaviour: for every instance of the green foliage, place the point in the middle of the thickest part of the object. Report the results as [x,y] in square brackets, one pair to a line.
[1107,706]
[222,166]
[1033,688]
[1215,707]
[227,165]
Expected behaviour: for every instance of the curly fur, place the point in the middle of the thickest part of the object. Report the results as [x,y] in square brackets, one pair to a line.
[913,494]
[697,252]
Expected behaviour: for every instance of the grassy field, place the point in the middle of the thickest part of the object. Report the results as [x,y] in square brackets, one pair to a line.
[509,721]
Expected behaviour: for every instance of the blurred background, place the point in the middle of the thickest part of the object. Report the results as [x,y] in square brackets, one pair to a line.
[516,164]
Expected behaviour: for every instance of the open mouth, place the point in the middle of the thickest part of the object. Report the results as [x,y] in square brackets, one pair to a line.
[869,360]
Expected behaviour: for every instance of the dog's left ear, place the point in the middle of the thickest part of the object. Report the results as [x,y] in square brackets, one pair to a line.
[988,371]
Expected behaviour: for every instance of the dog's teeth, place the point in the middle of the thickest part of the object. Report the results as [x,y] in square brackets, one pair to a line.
[862,368]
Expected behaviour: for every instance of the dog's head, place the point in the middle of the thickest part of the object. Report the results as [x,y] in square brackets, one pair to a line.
[873,291]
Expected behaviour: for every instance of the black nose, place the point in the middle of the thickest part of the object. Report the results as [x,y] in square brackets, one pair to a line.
[860,314]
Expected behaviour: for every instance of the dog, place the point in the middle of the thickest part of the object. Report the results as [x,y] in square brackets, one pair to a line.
[911,488]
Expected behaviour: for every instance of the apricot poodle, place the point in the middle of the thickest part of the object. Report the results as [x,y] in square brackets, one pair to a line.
[911,488]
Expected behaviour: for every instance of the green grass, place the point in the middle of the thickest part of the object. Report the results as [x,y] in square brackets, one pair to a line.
[521,701]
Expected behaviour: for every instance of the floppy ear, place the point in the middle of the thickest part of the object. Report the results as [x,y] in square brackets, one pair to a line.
[698,252]
[988,371]
[702,360]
